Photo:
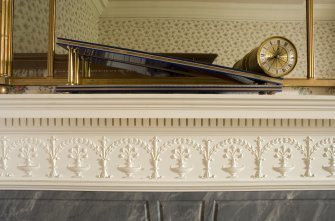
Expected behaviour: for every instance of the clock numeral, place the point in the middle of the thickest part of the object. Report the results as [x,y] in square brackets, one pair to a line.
[262,55]
[286,43]
[278,42]
[284,70]
[290,65]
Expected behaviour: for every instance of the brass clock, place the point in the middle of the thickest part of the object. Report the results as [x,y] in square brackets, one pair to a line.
[276,57]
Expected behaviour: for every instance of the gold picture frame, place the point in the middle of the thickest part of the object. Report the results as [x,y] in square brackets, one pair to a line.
[6,55]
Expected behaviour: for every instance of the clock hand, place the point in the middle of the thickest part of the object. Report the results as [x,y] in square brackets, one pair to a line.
[279,51]
[276,63]
[273,61]
[273,50]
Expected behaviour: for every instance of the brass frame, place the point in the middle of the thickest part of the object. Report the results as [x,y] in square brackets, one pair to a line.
[52,38]
[6,55]
[310,38]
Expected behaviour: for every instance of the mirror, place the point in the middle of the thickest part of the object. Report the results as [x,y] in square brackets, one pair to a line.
[229,28]
[30,38]
[324,29]
[75,19]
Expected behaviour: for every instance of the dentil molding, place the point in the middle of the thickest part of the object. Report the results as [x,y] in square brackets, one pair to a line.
[167,142]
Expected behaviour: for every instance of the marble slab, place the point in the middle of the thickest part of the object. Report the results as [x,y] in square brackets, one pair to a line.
[202,206]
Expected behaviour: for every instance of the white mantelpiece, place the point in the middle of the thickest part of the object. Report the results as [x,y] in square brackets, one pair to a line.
[167,142]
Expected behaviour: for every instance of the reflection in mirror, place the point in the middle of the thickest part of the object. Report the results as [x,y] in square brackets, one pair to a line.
[75,19]
[30,38]
[229,28]
[324,39]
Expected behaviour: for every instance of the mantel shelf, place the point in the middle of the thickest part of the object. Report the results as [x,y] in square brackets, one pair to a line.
[167,106]
[166,142]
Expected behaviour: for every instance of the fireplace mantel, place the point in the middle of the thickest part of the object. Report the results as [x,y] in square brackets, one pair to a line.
[167,142]
[167,106]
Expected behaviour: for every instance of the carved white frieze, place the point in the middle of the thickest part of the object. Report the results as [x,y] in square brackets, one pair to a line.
[53,151]
[78,152]
[103,151]
[129,153]
[283,155]
[181,154]
[308,150]
[233,154]
[208,152]
[32,151]
[155,150]
[159,158]
[5,149]
[258,152]
[329,152]
[28,151]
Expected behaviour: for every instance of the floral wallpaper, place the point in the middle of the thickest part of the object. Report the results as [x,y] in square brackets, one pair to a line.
[231,40]
[30,34]
[325,49]
[76,19]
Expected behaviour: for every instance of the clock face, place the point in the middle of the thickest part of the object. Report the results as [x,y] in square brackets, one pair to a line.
[277,56]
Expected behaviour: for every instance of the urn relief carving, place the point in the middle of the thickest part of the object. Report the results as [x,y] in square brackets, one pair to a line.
[181,154]
[78,152]
[283,155]
[233,154]
[28,152]
[129,153]
[329,153]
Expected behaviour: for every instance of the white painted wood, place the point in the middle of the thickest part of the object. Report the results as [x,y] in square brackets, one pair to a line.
[167,106]
[167,142]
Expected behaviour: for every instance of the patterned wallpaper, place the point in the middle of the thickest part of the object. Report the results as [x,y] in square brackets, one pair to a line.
[31,26]
[76,19]
[325,49]
[230,39]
